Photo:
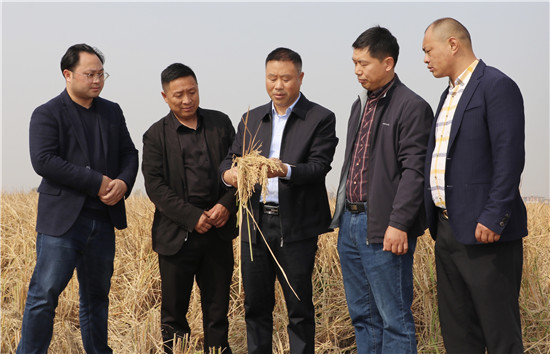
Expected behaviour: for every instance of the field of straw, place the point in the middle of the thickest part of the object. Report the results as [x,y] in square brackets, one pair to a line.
[135,295]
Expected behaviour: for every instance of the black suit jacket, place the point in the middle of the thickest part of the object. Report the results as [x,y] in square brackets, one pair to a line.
[59,153]
[308,144]
[164,173]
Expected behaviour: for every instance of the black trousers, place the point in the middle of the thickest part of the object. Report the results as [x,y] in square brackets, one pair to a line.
[210,260]
[478,289]
[297,260]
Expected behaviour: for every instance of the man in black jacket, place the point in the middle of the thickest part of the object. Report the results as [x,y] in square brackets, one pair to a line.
[379,205]
[194,219]
[300,135]
[80,145]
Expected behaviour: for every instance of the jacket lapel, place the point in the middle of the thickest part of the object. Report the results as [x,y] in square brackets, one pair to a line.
[264,134]
[464,100]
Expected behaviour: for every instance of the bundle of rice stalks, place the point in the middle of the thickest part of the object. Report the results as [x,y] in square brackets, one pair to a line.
[252,169]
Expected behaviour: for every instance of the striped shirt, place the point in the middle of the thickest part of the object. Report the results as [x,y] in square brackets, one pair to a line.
[442,134]
[356,184]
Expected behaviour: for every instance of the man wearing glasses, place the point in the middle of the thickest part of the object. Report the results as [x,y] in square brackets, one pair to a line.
[81,147]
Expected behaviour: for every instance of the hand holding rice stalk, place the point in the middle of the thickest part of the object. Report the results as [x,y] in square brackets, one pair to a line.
[253,168]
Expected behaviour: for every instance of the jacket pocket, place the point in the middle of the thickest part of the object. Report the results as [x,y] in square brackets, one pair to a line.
[48,188]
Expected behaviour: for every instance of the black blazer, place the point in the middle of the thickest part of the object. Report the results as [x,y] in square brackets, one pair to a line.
[308,144]
[485,159]
[164,173]
[59,154]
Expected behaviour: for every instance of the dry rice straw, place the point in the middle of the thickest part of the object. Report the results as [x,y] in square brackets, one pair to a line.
[252,169]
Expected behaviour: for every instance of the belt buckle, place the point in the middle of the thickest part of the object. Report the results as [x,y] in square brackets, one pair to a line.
[271,209]
[355,208]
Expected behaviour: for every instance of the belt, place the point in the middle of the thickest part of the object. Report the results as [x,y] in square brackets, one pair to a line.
[444,213]
[271,209]
[355,207]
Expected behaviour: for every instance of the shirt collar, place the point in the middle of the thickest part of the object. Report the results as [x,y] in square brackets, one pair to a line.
[381,91]
[89,109]
[288,110]
[176,124]
[462,79]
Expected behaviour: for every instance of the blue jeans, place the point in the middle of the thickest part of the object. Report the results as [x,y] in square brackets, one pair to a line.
[379,289]
[88,246]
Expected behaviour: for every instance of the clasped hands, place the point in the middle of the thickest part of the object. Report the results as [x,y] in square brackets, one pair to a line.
[111,191]
[217,216]
[230,176]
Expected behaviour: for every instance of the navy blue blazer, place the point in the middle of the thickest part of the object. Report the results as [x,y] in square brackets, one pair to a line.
[59,154]
[485,159]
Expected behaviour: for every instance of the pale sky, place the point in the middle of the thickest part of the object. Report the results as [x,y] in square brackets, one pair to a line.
[226,45]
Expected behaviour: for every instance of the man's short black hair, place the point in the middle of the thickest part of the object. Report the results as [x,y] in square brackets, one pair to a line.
[72,56]
[380,43]
[175,71]
[285,54]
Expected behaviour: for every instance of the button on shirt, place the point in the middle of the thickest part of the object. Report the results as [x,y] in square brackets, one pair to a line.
[278,123]
[442,135]
[200,175]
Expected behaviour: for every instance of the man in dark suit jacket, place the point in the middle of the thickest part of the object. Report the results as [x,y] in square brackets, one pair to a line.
[81,147]
[194,221]
[475,212]
[300,136]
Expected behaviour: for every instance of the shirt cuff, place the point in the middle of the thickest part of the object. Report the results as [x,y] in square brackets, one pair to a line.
[288,173]
[224,182]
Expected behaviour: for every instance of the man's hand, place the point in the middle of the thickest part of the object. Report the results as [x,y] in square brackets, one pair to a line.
[281,172]
[485,235]
[104,188]
[395,241]
[230,176]
[203,224]
[217,215]
[114,191]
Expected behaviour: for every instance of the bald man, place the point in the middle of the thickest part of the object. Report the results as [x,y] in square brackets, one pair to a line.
[475,212]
